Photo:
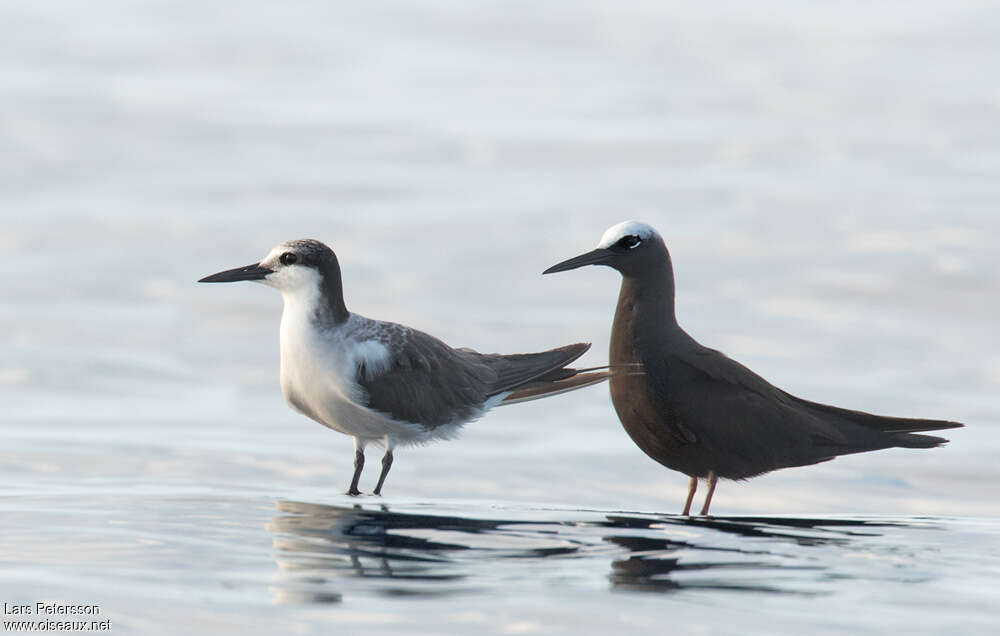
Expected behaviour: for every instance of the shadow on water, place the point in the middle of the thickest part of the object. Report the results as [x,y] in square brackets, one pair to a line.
[325,550]
[646,569]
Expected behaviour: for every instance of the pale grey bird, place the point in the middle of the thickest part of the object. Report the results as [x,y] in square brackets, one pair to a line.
[384,382]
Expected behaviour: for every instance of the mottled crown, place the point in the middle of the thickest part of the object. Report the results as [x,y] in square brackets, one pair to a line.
[310,252]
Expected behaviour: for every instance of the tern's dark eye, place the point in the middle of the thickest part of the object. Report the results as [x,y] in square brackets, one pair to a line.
[628,242]
[288,258]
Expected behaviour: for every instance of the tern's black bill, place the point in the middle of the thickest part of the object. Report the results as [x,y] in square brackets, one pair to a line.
[595,257]
[249,272]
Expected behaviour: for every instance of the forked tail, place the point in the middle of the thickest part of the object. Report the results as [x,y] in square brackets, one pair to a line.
[902,431]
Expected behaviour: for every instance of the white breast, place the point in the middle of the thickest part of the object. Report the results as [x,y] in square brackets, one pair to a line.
[318,371]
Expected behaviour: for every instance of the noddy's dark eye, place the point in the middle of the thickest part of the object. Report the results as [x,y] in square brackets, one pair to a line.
[628,242]
[288,258]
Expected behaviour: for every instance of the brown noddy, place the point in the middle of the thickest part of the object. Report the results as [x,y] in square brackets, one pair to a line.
[698,412]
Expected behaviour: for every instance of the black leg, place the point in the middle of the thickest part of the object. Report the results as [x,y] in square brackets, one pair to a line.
[386,465]
[359,464]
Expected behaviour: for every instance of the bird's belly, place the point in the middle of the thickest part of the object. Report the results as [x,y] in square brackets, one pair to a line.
[646,422]
[643,406]
[325,398]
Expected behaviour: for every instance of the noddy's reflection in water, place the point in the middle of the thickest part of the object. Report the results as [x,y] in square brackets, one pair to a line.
[656,564]
[390,553]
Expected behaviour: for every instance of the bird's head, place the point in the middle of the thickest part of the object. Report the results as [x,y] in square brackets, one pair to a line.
[627,247]
[304,271]
[288,267]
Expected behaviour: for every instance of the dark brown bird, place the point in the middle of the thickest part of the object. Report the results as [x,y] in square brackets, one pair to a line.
[696,411]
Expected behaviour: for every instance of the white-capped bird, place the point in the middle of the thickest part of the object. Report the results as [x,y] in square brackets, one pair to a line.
[696,411]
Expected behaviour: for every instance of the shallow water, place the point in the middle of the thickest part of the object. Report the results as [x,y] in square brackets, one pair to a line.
[826,177]
[226,564]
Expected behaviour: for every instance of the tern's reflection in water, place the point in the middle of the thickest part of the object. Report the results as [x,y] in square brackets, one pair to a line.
[316,544]
[405,554]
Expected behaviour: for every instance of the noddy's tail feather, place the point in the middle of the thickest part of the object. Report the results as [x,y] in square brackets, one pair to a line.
[884,423]
[910,440]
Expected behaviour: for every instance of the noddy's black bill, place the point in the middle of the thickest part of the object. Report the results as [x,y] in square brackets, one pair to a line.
[248,272]
[595,257]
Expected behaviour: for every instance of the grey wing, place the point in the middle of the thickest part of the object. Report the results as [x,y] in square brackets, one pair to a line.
[426,382]
[746,424]
[515,370]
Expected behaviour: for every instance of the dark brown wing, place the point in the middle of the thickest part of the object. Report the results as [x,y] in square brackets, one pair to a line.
[752,427]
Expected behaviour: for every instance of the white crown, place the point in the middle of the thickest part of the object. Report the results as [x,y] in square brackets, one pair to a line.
[616,233]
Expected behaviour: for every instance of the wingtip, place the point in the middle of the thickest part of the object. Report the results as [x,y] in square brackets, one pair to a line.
[947,424]
[576,350]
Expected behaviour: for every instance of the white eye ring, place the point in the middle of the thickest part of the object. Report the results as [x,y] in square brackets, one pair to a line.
[632,241]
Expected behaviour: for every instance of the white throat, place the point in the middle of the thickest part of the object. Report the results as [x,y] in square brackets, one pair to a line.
[320,361]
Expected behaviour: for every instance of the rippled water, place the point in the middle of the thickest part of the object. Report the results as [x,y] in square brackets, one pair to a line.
[228,563]
[825,175]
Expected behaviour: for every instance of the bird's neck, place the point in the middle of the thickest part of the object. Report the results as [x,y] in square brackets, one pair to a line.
[331,305]
[644,316]
[334,310]
[309,308]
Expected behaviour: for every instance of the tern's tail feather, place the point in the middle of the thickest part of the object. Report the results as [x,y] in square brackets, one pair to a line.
[516,371]
[546,388]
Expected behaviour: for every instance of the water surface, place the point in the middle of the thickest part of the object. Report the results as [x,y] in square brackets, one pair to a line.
[825,175]
[230,563]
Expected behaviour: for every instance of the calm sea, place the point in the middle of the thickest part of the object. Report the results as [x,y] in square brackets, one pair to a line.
[825,175]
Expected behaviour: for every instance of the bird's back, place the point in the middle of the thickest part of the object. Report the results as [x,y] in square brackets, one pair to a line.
[720,416]
[695,410]
[429,383]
